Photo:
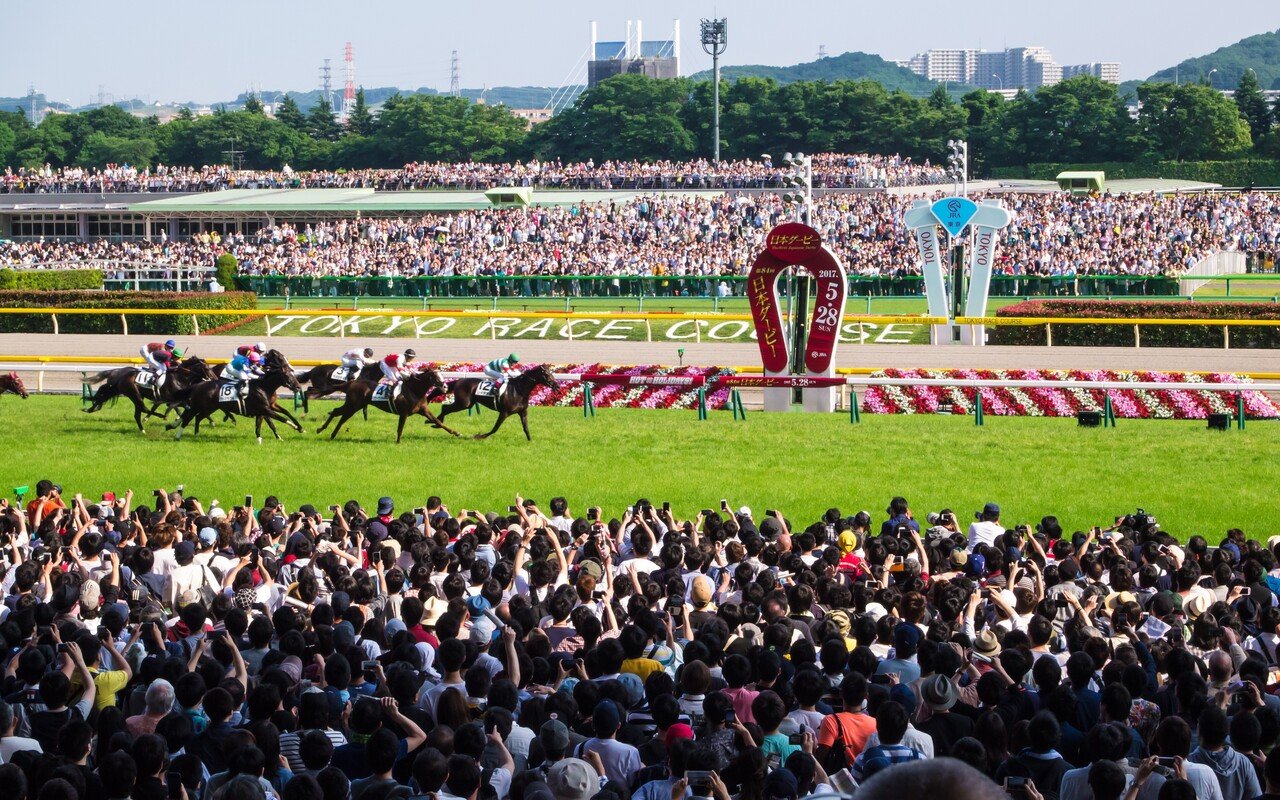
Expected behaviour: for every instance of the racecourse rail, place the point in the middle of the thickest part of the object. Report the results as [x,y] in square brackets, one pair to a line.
[647,317]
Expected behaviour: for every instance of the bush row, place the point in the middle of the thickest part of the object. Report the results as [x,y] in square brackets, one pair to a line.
[110,323]
[1151,335]
[50,279]
[1245,172]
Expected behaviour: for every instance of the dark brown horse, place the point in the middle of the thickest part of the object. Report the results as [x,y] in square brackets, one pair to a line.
[124,382]
[415,391]
[322,382]
[205,399]
[514,398]
[12,383]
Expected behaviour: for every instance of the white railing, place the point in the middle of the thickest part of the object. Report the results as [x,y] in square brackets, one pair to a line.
[1223,263]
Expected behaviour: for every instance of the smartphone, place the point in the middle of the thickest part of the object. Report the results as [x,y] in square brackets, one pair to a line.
[248,501]
[769,512]
[370,670]
[706,512]
[155,492]
[173,781]
[699,782]
[592,514]
[1245,592]
[334,508]
[1015,787]
[730,717]
[981,659]
[1166,761]
[882,680]
[675,603]
[724,505]
[631,509]
[666,506]
[511,509]
[1120,620]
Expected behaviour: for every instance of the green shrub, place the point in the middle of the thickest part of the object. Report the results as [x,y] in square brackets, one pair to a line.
[50,279]
[225,270]
[110,323]
[1243,337]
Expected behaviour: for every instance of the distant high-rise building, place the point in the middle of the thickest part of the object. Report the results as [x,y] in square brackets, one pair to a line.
[1014,68]
[658,58]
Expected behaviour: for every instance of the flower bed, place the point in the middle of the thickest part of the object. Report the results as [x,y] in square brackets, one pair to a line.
[614,396]
[1065,401]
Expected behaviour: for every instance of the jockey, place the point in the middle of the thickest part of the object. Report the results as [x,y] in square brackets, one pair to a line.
[242,369]
[396,367]
[158,356]
[246,349]
[500,369]
[355,359]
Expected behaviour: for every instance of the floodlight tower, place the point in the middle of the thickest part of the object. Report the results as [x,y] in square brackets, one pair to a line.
[715,37]
[797,192]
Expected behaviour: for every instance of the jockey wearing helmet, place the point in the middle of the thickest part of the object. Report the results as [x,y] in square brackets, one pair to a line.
[158,356]
[242,369]
[355,359]
[396,367]
[500,369]
[246,349]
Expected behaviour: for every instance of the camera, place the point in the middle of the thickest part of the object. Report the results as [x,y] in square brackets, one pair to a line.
[674,604]
[1015,787]
[699,782]
[1139,520]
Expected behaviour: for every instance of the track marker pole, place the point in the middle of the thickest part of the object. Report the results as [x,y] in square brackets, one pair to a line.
[854,416]
[1239,410]
[977,408]
[1108,413]
[702,404]
[588,401]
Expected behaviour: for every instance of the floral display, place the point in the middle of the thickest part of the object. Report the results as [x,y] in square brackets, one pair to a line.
[572,393]
[1067,400]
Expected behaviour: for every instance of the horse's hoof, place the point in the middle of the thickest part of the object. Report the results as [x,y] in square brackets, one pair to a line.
[259,440]
[478,436]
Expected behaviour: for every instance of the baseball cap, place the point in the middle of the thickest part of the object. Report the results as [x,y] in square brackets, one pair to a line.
[591,568]
[848,542]
[677,732]
[606,719]
[572,779]
[781,785]
[477,605]
[208,536]
[385,506]
[701,590]
[745,511]
[186,549]
[991,510]
[554,736]
[906,636]
[90,594]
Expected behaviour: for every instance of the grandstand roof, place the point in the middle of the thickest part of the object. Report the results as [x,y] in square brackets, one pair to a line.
[368,201]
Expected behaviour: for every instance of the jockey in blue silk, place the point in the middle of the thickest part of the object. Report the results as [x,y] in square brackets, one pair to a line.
[500,369]
[242,369]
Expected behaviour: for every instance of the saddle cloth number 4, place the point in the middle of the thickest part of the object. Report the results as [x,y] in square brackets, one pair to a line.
[383,393]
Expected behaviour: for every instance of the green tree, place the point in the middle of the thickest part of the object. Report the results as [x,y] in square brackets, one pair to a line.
[266,143]
[436,128]
[101,149]
[625,117]
[289,113]
[1253,105]
[1192,122]
[321,123]
[989,139]
[8,146]
[253,105]
[1079,120]
[360,120]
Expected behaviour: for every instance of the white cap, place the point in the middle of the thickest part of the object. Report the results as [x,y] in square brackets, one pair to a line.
[745,511]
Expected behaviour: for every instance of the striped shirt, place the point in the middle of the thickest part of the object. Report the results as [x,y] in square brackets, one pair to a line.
[874,759]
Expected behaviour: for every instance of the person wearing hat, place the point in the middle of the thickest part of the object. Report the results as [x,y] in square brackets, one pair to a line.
[702,592]
[939,695]
[781,784]
[573,779]
[189,575]
[620,760]
[987,528]
[906,641]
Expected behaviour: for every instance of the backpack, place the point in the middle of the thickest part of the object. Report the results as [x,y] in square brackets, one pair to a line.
[837,757]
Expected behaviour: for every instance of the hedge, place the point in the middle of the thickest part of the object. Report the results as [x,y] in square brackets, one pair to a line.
[225,270]
[50,279]
[1245,172]
[1151,335]
[110,323]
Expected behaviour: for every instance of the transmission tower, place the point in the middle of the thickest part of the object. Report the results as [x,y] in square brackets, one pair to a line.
[455,81]
[349,84]
[326,82]
[31,98]
[822,51]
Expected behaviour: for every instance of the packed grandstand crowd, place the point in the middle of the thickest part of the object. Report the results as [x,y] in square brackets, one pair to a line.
[833,170]
[164,645]
[681,235]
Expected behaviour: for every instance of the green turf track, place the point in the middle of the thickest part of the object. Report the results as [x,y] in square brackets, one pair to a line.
[1195,481]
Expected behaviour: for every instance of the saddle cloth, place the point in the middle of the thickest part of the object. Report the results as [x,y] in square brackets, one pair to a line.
[227,393]
[146,377]
[386,393]
[487,388]
[343,374]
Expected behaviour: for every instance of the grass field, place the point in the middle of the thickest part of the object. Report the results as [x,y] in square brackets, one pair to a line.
[1193,480]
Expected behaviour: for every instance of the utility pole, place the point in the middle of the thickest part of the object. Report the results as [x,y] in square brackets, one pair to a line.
[455,79]
[234,156]
[715,37]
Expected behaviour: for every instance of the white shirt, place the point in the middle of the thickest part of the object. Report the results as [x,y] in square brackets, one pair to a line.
[984,533]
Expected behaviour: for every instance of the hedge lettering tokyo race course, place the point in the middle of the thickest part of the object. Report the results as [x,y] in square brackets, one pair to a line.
[613,329]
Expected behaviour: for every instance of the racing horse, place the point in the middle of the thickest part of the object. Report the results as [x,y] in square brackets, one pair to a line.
[205,399]
[128,382]
[414,393]
[514,399]
[323,382]
[12,383]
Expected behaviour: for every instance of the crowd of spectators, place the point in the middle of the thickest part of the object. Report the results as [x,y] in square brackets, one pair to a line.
[183,649]
[833,170]
[1054,234]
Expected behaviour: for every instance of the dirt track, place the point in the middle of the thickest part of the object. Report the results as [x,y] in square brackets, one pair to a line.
[707,354]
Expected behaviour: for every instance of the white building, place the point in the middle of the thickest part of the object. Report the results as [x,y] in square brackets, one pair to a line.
[1012,69]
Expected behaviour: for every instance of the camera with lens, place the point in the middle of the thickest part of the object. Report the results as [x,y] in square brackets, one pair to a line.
[1139,520]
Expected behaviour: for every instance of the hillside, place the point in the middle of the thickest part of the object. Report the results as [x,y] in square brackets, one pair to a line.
[1261,52]
[848,66]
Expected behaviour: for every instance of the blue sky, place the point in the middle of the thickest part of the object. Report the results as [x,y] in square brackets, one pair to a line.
[163,50]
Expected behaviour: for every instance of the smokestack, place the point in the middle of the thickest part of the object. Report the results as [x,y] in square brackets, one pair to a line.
[626,45]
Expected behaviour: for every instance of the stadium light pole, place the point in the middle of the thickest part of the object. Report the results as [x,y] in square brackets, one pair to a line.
[715,37]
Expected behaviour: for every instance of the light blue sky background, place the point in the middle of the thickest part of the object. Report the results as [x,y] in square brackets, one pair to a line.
[177,50]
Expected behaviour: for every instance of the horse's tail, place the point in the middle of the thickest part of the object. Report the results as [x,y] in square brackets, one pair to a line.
[106,392]
[98,378]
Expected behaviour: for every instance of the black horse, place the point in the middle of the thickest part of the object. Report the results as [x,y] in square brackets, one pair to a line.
[322,381]
[415,392]
[125,382]
[514,398]
[207,398]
